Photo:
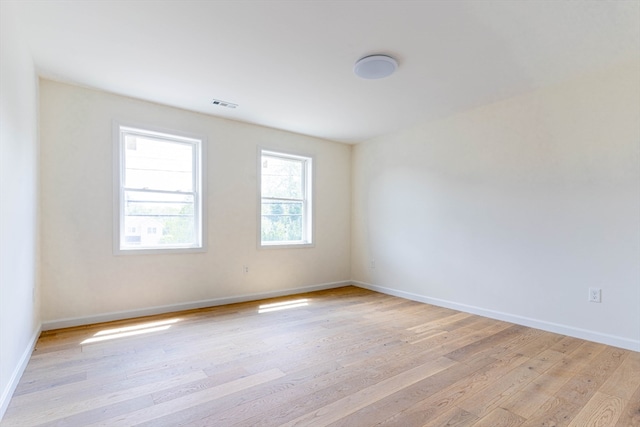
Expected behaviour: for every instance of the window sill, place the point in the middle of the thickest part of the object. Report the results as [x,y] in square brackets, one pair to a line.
[285,245]
[158,251]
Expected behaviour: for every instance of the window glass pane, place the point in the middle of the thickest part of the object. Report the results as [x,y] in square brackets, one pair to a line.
[156,219]
[282,178]
[157,164]
[281,221]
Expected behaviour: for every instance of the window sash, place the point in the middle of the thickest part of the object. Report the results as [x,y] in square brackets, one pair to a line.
[285,218]
[275,178]
[151,214]
[192,144]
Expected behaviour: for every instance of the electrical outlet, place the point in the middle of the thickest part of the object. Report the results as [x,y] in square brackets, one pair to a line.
[245,269]
[373,264]
[595,295]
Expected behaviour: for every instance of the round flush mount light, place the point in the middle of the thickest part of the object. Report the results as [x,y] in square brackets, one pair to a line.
[375,67]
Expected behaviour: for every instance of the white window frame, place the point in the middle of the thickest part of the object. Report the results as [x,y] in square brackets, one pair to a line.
[308,162]
[120,129]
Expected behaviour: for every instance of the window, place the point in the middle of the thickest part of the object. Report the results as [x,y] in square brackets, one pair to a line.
[285,196]
[158,189]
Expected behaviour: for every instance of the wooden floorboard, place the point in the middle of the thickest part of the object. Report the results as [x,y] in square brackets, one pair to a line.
[343,357]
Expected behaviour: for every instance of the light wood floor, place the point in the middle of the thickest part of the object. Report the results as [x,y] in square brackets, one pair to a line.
[349,357]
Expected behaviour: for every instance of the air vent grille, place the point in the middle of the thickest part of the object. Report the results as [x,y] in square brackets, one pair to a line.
[226,104]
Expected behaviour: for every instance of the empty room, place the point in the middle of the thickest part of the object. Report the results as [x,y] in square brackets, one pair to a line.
[320,213]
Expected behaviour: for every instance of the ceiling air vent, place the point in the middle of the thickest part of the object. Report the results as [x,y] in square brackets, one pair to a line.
[221,103]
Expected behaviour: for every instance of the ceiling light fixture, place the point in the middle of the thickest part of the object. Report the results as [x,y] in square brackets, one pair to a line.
[375,66]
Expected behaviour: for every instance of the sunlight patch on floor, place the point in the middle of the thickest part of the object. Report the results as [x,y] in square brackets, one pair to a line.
[127,331]
[276,306]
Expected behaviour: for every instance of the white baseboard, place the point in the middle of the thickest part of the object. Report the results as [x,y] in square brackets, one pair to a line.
[571,331]
[129,314]
[7,393]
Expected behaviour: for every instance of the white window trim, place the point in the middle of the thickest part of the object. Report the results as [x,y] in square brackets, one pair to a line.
[310,205]
[118,174]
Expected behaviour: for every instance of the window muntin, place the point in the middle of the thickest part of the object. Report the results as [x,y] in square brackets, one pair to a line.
[159,183]
[285,199]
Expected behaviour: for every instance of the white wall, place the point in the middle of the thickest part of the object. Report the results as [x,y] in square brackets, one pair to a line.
[19,313]
[513,210]
[81,278]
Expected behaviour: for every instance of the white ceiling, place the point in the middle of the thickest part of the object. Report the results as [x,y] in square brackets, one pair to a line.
[289,64]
